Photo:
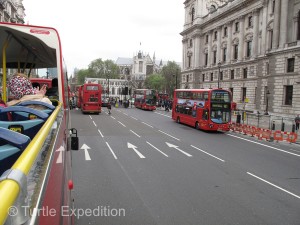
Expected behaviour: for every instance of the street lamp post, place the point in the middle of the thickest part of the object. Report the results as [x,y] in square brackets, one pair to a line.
[219,65]
[267,102]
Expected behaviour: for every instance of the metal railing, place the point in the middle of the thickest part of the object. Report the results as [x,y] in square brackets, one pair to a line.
[10,189]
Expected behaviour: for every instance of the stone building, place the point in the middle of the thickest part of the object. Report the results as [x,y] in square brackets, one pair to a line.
[251,47]
[12,11]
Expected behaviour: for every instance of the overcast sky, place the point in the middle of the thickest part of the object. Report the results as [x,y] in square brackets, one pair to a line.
[109,29]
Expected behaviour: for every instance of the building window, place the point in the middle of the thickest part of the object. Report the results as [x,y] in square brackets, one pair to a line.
[249,46]
[298,34]
[206,59]
[191,42]
[216,35]
[273,6]
[290,65]
[267,68]
[250,21]
[271,39]
[232,74]
[189,61]
[193,14]
[211,76]
[237,26]
[206,39]
[244,94]
[288,95]
[203,77]
[221,75]
[225,31]
[224,54]
[245,72]
[215,57]
[235,51]
[140,66]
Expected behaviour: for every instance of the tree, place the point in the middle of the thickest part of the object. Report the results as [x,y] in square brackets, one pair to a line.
[101,69]
[170,72]
[155,81]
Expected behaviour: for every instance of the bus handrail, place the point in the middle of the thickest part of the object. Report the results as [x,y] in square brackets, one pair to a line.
[9,189]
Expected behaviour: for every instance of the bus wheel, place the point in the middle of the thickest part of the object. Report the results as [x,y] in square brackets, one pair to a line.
[178,120]
[197,126]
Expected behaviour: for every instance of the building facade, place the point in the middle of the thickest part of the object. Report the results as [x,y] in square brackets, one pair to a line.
[251,47]
[12,11]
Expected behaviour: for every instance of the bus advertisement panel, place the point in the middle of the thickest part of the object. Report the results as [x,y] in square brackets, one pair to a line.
[205,109]
[145,99]
[90,98]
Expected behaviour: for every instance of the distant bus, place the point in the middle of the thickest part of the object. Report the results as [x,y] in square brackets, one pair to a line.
[145,99]
[205,109]
[77,95]
[90,98]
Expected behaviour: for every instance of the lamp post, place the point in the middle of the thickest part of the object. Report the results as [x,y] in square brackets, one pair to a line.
[267,102]
[219,65]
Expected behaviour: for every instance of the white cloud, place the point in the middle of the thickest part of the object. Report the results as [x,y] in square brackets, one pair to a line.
[94,29]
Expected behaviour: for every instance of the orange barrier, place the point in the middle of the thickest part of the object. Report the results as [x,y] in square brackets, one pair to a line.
[278,136]
[292,137]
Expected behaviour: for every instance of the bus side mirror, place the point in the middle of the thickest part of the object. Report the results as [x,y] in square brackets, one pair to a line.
[73,140]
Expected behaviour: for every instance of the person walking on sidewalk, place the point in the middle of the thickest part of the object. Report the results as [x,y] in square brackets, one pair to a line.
[297,121]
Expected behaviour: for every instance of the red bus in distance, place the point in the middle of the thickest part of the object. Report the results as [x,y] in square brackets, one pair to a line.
[90,98]
[204,109]
[145,99]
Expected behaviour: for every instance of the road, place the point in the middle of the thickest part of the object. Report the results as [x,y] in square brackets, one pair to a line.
[140,167]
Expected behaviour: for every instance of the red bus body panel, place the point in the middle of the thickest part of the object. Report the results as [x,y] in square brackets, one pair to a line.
[90,95]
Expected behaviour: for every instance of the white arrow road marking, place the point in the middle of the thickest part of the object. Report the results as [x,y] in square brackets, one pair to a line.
[86,153]
[136,151]
[60,156]
[176,147]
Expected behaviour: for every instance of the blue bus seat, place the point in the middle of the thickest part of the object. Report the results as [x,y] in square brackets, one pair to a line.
[21,113]
[46,105]
[12,144]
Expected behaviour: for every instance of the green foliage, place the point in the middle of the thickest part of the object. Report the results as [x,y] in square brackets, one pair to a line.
[169,72]
[155,81]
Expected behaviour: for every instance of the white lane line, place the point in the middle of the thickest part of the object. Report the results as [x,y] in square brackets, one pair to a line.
[157,149]
[297,196]
[135,133]
[111,150]
[163,114]
[169,135]
[95,123]
[208,153]
[125,114]
[278,149]
[100,133]
[294,150]
[113,117]
[121,124]
[133,118]
[90,117]
[147,124]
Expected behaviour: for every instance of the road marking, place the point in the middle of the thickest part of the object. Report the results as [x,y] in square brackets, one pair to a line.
[94,123]
[176,147]
[208,153]
[147,124]
[125,114]
[136,151]
[157,149]
[60,156]
[133,118]
[169,135]
[135,133]
[297,196]
[113,117]
[86,153]
[278,149]
[121,124]
[100,133]
[90,117]
[163,114]
[294,150]
[112,152]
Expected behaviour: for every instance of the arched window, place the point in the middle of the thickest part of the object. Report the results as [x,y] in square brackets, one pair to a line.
[193,14]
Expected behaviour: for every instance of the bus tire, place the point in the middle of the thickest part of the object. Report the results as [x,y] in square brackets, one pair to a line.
[197,126]
[178,120]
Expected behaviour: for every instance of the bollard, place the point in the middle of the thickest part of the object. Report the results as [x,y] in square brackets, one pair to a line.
[282,127]
[293,128]
[238,119]
[273,125]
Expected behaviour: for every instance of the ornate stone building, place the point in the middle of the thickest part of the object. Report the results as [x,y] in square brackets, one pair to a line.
[251,47]
[12,11]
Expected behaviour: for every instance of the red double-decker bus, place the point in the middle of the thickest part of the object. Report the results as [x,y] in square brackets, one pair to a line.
[90,98]
[145,99]
[205,109]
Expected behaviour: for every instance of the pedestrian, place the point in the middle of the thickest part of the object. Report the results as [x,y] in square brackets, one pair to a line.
[297,121]
[109,108]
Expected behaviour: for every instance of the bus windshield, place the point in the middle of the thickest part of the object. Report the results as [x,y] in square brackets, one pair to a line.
[220,96]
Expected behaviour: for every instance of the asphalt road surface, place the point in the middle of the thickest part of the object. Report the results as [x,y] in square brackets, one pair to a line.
[138,167]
